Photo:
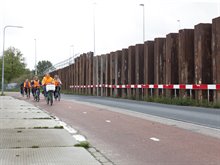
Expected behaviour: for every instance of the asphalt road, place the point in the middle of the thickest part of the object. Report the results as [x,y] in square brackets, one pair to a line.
[201,116]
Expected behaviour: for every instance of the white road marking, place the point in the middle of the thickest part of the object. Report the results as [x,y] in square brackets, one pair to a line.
[155,139]
[62,123]
[85,112]
[56,118]
[108,121]
[79,138]
[70,129]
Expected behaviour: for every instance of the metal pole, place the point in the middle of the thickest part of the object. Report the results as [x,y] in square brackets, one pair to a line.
[3,62]
[94,53]
[94,46]
[143,22]
[178,24]
[35,45]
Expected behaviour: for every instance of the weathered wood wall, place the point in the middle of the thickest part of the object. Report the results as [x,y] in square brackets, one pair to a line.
[191,56]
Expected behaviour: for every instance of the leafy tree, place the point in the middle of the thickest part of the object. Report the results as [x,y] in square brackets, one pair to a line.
[42,66]
[14,65]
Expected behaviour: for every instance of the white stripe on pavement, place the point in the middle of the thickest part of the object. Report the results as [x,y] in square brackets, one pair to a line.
[155,139]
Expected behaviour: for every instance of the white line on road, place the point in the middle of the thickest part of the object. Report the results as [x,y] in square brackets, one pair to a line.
[108,121]
[85,112]
[70,129]
[79,138]
[155,139]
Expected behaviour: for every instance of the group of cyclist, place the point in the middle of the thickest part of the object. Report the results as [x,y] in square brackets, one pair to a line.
[34,85]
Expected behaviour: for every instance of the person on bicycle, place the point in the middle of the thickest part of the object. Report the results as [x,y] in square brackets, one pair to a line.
[58,84]
[22,88]
[47,80]
[36,85]
[32,87]
[27,86]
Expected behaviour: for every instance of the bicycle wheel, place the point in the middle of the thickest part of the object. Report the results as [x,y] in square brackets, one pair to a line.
[37,95]
[48,98]
[59,96]
[51,98]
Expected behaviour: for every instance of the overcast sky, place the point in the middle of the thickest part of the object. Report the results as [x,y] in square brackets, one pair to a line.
[64,27]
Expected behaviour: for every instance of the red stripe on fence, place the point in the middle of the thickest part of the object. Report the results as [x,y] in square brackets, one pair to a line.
[200,86]
[217,86]
[128,86]
[145,86]
[155,86]
[168,86]
[182,86]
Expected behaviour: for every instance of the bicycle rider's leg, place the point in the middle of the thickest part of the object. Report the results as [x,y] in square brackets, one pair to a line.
[45,92]
[25,90]
[54,93]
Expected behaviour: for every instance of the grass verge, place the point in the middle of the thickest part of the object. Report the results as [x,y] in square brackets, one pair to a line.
[84,144]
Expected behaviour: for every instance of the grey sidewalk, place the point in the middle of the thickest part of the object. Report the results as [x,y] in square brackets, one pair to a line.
[29,136]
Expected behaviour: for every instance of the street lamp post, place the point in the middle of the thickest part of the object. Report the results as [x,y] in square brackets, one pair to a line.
[94,46]
[3,62]
[35,52]
[179,24]
[72,53]
[143,22]
[94,29]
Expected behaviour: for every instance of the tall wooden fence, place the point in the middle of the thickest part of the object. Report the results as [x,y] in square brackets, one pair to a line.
[180,65]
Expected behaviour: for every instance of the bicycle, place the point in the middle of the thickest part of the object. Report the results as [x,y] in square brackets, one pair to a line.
[37,94]
[50,88]
[27,92]
[57,93]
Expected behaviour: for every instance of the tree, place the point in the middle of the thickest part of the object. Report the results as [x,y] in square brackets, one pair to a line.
[14,65]
[42,66]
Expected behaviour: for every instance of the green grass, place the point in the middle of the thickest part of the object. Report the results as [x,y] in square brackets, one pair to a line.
[42,118]
[41,127]
[84,144]
[163,100]
[182,102]
[58,127]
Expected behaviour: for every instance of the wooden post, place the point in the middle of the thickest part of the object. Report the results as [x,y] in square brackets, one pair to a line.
[159,63]
[171,62]
[148,65]
[203,58]
[124,71]
[139,68]
[131,70]
[216,56]
[186,59]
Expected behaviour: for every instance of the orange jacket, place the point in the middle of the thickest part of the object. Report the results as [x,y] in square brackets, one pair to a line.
[36,83]
[57,82]
[27,84]
[47,80]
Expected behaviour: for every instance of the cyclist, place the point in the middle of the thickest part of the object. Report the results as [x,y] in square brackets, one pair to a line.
[22,88]
[32,87]
[36,85]
[47,80]
[27,86]
[58,84]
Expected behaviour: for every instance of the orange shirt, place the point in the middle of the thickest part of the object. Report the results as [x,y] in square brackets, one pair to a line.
[47,80]
[27,84]
[57,83]
[36,83]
